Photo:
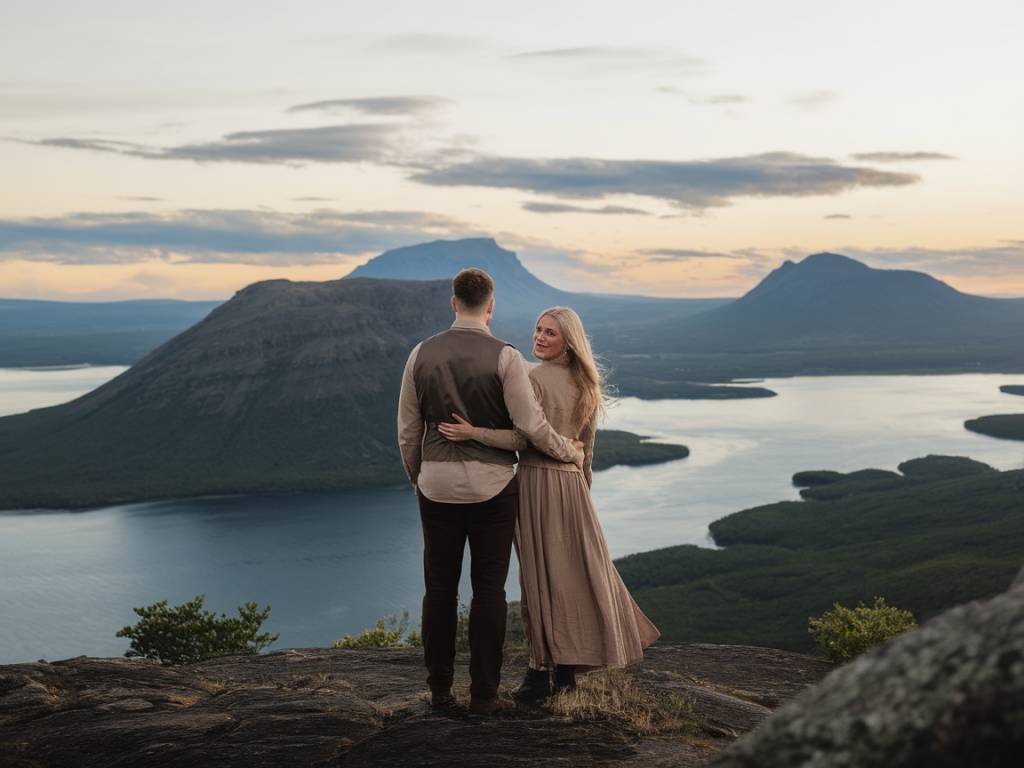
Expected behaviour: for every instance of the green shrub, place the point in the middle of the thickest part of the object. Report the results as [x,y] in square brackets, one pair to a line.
[186,633]
[843,633]
[390,632]
[387,633]
[515,630]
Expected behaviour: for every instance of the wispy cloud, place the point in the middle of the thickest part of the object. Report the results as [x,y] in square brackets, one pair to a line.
[705,99]
[607,210]
[587,52]
[684,254]
[612,57]
[218,236]
[381,105]
[899,157]
[141,199]
[428,43]
[325,144]
[312,199]
[811,100]
[688,184]
[838,216]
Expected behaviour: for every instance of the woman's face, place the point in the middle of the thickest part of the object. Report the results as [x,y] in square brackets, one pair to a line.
[548,341]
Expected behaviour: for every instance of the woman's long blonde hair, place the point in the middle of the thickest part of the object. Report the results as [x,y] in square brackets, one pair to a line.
[587,373]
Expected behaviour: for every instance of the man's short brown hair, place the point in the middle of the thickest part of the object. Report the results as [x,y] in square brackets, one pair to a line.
[473,288]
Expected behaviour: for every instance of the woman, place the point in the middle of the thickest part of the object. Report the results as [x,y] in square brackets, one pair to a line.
[577,613]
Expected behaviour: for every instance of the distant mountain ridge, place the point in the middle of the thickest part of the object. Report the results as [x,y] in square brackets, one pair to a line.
[826,313]
[826,301]
[833,300]
[38,315]
[38,332]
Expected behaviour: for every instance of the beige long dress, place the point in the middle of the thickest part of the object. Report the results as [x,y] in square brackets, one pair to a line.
[576,610]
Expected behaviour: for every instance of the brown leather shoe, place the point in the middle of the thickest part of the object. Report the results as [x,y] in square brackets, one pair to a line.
[490,707]
[442,699]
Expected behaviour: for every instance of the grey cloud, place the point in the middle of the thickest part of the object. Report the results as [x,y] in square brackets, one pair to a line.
[238,236]
[312,199]
[141,199]
[838,216]
[382,105]
[899,157]
[620,210]
[688,184]
[813,99]
[325,144]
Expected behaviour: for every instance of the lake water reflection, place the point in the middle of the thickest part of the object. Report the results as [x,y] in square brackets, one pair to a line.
[331,563]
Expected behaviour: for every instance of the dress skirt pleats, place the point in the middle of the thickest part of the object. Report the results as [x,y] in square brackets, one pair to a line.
[576,610]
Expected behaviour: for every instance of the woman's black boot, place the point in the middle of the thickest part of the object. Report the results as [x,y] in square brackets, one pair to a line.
[536,687]
[565,678]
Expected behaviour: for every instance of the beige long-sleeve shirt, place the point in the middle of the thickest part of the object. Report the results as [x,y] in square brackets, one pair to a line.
[466,482]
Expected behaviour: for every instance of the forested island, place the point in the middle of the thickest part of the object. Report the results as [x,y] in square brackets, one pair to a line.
[941,520]
[1007,426]
[613,447]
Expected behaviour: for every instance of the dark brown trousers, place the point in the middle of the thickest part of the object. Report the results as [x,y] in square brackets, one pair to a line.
[489,527]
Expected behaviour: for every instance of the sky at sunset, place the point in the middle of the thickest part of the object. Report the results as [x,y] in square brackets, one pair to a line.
[674,148]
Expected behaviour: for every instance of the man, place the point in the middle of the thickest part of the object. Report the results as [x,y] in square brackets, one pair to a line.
[468,490]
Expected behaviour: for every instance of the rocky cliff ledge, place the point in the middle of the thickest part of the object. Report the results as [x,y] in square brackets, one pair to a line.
[316,707]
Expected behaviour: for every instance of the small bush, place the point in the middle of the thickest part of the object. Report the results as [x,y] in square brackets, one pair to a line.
[186,633]
[515,630]
[843,633]
[387,633]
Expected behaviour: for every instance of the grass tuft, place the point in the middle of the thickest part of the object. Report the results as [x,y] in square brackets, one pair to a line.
[613,695]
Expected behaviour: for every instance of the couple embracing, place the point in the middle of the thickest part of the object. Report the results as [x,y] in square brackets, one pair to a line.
[470,412]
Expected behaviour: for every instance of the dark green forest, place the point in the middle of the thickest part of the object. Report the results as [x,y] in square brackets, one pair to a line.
[944,532]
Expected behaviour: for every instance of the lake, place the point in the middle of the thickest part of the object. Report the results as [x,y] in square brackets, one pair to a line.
[330,563]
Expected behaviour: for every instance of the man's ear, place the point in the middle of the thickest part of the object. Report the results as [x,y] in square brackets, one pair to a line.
[455,307]
[490,308]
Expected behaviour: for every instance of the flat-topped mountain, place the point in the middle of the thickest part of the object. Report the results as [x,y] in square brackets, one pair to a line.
[520,296]
[443,259]
[287,386]
[832,300]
